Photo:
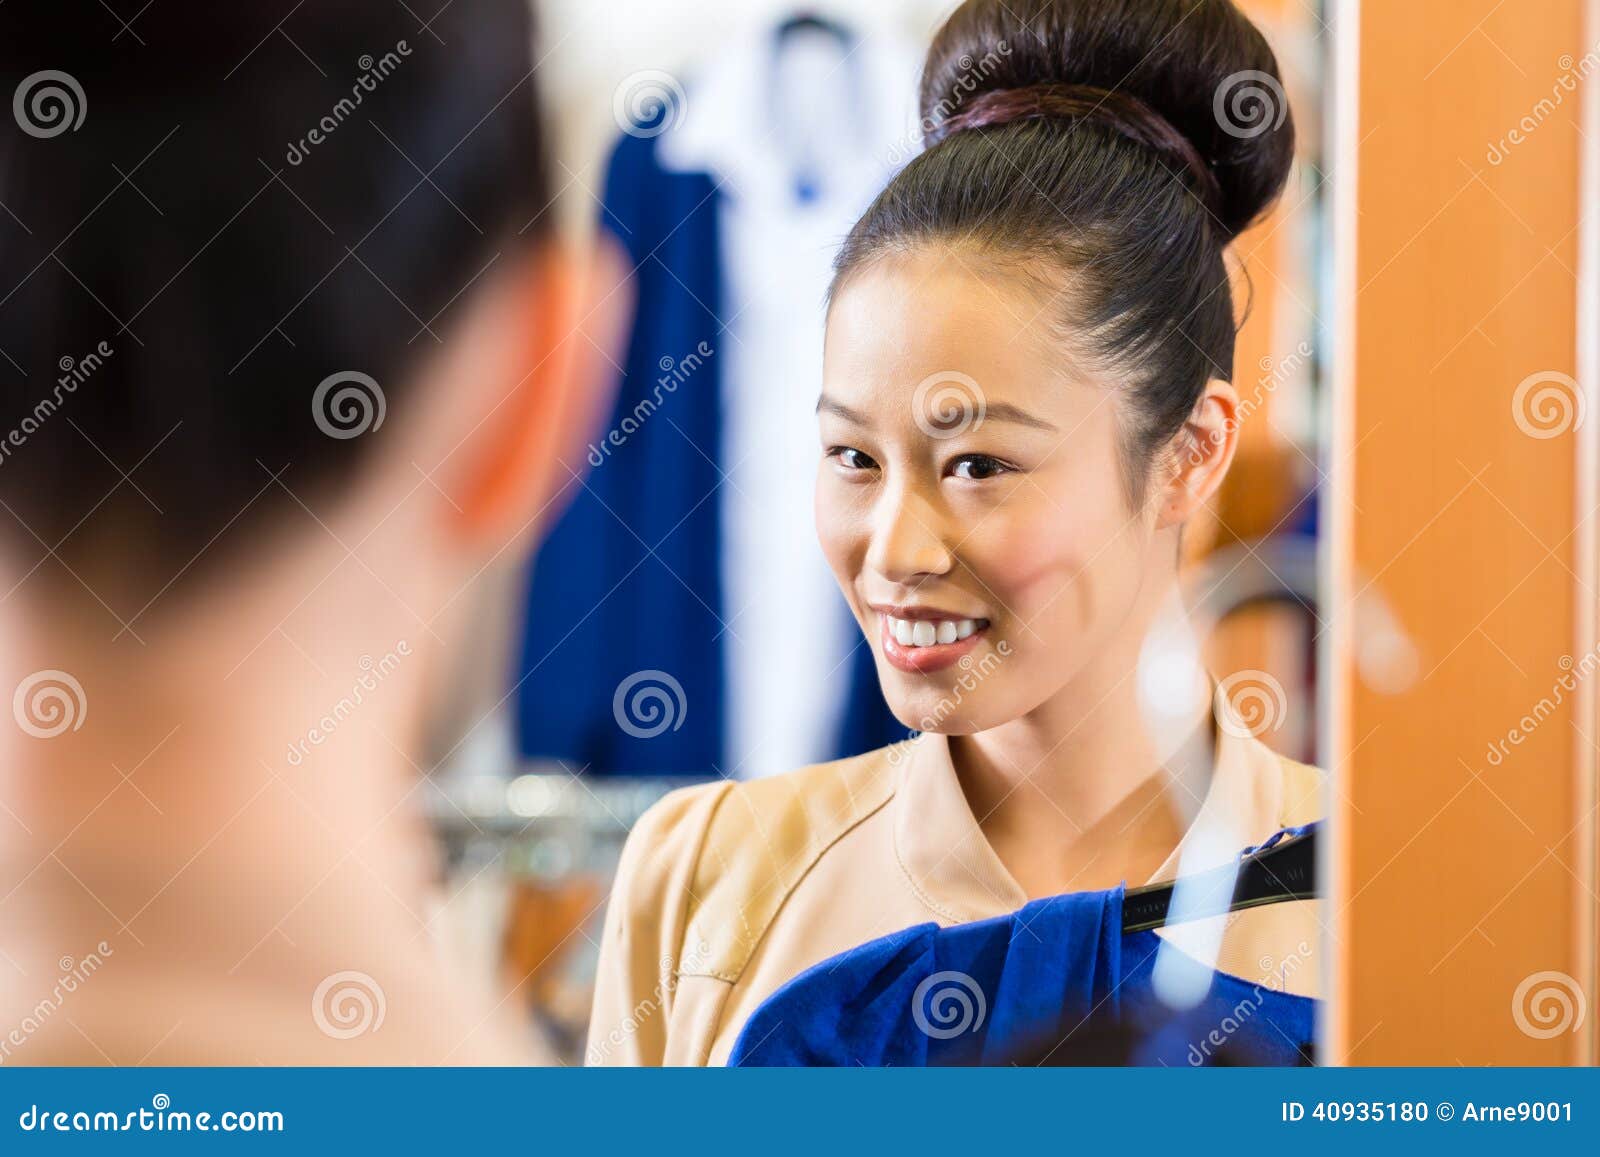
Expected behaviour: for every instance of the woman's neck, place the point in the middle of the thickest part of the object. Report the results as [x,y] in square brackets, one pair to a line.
[1075,795]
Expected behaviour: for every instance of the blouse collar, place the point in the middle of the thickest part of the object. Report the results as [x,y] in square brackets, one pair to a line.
[956,872]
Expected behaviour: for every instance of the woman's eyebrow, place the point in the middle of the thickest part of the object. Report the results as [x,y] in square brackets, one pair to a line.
[826,405]
[1006,412]
[996,412]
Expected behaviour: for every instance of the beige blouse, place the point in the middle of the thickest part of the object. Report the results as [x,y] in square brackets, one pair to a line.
[727,890]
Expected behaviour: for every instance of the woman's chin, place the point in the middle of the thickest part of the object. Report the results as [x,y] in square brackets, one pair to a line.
[934,717]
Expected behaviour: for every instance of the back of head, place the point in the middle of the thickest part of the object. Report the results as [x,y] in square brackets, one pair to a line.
[1108,151]
[230,241]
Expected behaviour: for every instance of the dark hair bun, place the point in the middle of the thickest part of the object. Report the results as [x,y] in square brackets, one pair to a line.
[1201,65]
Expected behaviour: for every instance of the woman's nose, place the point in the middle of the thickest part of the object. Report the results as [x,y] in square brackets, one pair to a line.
[908,538]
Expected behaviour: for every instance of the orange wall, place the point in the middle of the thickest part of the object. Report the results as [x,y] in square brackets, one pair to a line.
[1460,875]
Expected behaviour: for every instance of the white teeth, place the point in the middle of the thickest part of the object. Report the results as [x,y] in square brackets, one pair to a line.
[929,632]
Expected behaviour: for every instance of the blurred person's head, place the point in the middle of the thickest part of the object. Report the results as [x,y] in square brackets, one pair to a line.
[284,365]
[258,272]
[1030,344]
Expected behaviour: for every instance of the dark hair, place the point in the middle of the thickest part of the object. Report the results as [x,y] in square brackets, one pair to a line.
[1110,150]
[210,212]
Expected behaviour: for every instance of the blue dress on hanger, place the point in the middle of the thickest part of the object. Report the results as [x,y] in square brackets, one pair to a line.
[1055,982]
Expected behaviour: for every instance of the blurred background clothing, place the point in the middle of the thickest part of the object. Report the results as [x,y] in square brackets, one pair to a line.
[687,563]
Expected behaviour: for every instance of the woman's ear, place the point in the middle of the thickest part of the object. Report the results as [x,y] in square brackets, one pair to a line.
[561,320]
[1201,454]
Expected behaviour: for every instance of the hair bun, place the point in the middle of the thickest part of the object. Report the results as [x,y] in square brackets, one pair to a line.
[1193,78]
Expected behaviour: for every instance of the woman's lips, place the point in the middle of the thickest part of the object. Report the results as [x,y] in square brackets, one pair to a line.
[925,660]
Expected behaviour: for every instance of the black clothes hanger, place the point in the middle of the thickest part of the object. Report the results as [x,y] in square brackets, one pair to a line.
[1283,868]
[810,21]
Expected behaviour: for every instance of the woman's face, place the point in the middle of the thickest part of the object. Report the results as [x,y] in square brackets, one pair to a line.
[970,497]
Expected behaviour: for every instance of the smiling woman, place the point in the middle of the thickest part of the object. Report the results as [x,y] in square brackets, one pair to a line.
[1026,396]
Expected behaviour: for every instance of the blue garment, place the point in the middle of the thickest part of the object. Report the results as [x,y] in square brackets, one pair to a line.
[1056,982]
[629,580]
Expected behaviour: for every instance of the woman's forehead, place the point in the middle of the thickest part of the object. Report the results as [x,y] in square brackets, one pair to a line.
[932,314]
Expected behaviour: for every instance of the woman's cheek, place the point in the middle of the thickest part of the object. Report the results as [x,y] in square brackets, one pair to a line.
[1025,552]
[840,529]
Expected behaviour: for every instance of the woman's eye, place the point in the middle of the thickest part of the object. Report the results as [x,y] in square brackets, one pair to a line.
[977,467]
[851,458]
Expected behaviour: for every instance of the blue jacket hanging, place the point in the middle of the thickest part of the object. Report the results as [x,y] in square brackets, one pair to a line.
[621,668]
